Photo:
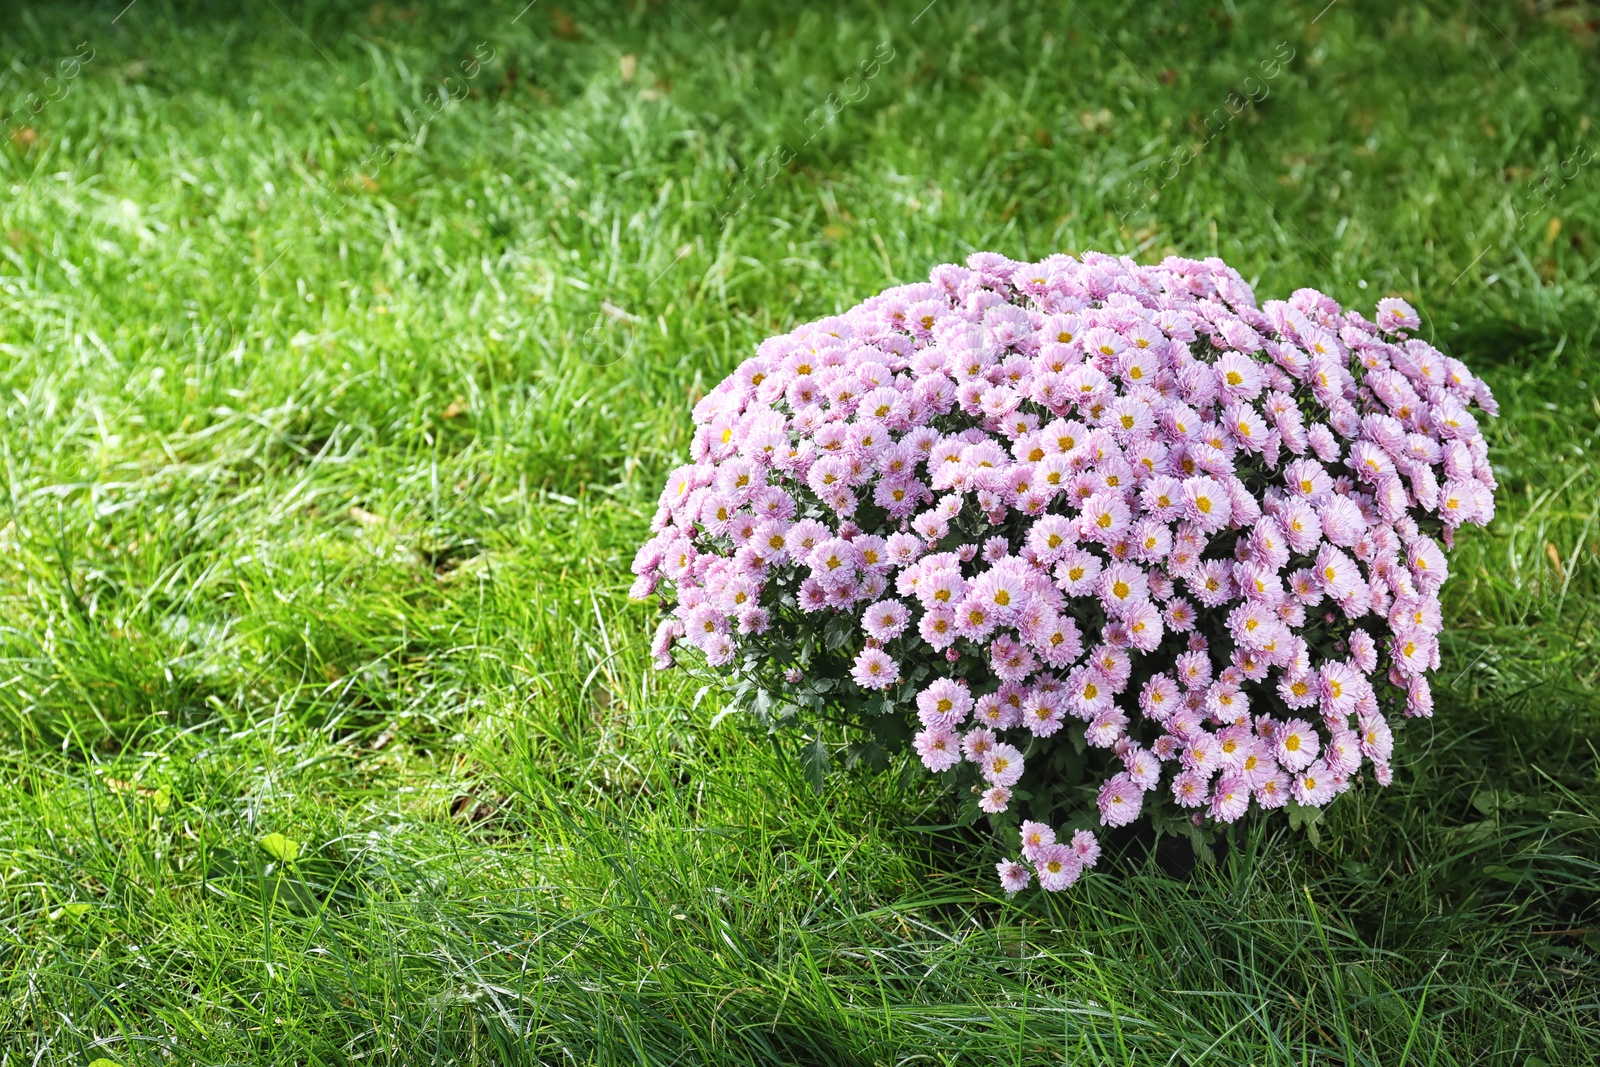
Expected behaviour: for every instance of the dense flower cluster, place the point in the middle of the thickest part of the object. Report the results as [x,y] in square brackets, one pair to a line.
[1086,503]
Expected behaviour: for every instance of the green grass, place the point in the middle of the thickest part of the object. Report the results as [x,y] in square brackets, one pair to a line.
[327,439]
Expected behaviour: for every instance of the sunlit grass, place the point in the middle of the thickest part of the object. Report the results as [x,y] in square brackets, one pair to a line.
[328,437]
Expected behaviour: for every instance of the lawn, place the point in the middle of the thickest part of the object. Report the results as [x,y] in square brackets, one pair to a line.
[344,349]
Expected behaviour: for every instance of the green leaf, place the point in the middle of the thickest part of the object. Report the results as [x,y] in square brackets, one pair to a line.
[890,732]
[837,632]
[283,849]
[1201,844]
[1305,819]
[1473,833]
[968,812]
[296,894]
[761,707]
[223,868]
[74,910]
[911,772]
[868,754]
[814,760]
[1494,802]
[103,1062]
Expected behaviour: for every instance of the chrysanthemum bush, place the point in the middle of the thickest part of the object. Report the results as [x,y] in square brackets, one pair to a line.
[1097,541]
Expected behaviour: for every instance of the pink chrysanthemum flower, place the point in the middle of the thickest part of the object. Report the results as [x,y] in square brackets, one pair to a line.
[1314,785]
[1086,847]
[1120,800]
[1395,314]
[1002,765]
[1230,799]
[1014,876]
[885,620]
[945,702]
[1035,835]
[977,743]
[1239,507]
[1058,866]
[939,748]
[1273,792]
[1189,789]
[994,800]
[874,669]
[1295,744]
[1042,714]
